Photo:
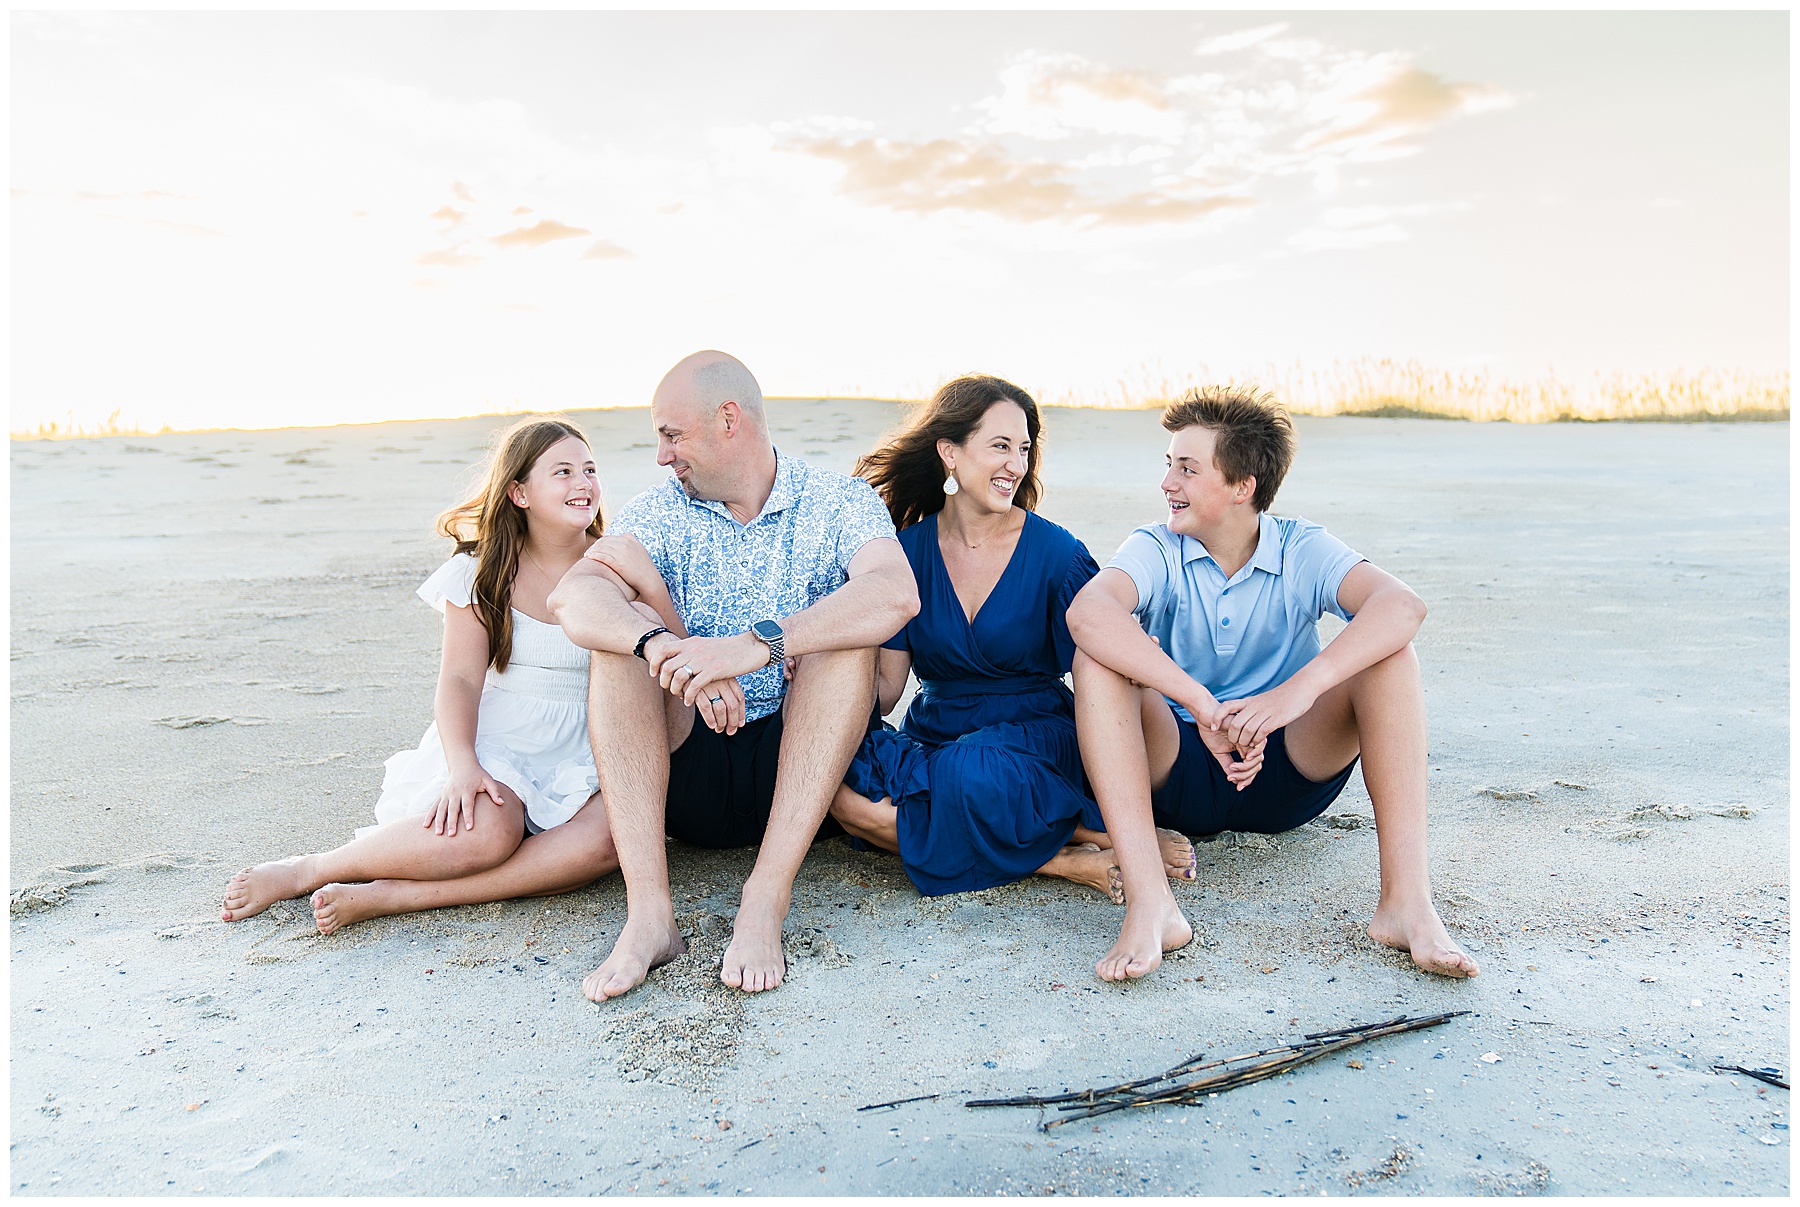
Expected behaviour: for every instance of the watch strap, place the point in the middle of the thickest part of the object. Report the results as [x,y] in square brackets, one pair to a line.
[637,651]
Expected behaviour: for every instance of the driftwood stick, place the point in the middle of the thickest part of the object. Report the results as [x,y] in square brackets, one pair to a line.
[1095,1095]
[875,1106]
[1773,1079]
[1220,1076]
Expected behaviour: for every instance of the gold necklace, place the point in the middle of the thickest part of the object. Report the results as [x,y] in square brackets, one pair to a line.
[965,544]
[540,565]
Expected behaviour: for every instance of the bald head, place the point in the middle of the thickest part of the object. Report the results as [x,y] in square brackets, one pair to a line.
[706,381]
[710,430]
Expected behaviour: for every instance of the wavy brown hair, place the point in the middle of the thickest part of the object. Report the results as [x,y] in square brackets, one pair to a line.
[1253,436]
[492,527]
[907,472]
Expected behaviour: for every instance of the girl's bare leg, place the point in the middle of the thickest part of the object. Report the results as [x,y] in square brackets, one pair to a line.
[559,860]
[405,848]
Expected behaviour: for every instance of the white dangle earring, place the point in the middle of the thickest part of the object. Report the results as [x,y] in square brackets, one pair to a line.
[950,486]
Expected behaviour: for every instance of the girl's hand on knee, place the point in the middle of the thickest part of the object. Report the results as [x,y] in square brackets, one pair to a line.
[456,804]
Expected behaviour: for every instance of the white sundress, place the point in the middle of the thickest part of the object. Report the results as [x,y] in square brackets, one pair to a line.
[531,731]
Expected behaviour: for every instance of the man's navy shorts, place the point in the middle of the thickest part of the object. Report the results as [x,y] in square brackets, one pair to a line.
[1198,799]
[721,786]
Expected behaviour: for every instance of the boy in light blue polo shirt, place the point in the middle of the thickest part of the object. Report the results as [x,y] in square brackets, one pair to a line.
[1204,702]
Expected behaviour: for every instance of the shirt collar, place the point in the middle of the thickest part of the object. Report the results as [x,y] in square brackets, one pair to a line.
[784,494]
[1268,547]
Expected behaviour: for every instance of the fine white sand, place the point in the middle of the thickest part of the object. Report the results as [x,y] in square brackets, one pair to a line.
[215,645]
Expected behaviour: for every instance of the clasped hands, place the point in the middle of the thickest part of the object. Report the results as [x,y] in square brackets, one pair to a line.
[703,672]
[1237,731]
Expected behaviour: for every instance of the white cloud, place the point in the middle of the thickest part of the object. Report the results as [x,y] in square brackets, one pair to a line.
[1241,40]
[1323,238]
[1077,140]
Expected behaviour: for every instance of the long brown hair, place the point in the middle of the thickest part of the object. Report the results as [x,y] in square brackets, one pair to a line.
[907,472]
[492,527]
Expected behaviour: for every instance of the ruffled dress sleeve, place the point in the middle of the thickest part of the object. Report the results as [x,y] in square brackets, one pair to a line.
[452,582]
[1081,568]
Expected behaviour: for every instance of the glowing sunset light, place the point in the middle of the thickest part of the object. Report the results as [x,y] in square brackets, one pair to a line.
[271,219]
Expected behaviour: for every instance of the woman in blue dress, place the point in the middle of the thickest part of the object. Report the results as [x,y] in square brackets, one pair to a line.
[982,784]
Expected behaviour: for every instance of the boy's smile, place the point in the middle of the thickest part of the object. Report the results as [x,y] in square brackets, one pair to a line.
[1199,498]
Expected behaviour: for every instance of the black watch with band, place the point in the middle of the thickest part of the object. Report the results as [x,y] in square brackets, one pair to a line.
[637,651]
[770,634]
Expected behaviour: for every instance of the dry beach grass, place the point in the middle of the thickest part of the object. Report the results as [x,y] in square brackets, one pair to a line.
[215,645]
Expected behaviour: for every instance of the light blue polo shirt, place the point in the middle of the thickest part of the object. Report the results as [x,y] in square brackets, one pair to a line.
[1251,632]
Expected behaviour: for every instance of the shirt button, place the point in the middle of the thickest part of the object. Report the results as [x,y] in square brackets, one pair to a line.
[1226,621]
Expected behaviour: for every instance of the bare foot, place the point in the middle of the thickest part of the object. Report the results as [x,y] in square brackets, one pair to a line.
[754,961]
[1179,861]
[1150,928]
[255,889]
[1089,864]
[641,946]
[338,905]
[1419,931]
[1178,855]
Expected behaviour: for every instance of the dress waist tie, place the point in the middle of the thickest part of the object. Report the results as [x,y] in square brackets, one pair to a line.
[1020,685]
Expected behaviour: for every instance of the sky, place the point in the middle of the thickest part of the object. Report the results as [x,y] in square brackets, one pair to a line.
[267,219]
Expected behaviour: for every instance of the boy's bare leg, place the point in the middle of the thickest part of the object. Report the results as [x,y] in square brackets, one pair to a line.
[827,714]
[634,724]
[1381,712]
[1128,742]
[559,860]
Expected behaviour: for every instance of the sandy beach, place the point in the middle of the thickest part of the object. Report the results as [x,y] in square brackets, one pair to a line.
[215,645]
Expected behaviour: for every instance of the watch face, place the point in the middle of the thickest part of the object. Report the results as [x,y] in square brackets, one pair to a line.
[768,630]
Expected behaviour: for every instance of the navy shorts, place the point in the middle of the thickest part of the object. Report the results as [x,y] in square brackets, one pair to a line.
[1199,800]
[721,786]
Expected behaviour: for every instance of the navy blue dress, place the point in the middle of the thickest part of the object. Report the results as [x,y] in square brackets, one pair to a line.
[985,769]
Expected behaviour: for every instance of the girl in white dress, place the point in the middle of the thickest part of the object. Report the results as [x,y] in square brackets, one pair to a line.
[499,800]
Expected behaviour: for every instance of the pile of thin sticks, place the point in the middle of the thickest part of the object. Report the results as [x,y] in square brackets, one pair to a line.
[1220,1075]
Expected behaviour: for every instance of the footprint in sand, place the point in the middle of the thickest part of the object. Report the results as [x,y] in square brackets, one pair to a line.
[52,887]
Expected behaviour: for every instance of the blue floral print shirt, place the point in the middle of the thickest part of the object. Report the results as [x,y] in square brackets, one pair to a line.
[725,576]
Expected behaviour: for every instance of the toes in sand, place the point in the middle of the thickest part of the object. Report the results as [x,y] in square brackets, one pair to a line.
[754,961]
[1419,932]
[336,906]
[1178,855]
[253,890]
[641,946]
[1151,928]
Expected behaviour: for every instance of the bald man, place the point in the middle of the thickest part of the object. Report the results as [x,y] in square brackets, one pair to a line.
[771,564]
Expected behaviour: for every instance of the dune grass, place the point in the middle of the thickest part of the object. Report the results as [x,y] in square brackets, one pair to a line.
[1403,389]
[1365,387]
[74,429]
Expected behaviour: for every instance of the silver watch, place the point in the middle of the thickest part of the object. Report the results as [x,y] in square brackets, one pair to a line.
[770,634]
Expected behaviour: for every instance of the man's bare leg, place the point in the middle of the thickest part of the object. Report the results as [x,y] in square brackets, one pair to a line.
[403,848]
[1381,711]
[634,724]
[559,860]
[1129,742]
[827,714]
